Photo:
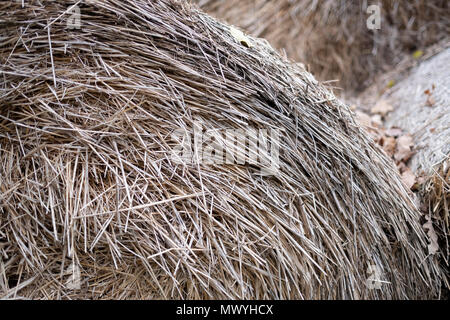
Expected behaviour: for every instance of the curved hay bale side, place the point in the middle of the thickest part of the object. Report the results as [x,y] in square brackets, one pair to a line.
[93,206]
[421,104]
[332,37]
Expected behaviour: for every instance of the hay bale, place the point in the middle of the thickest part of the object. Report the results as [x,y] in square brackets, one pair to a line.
[421,103]
[332,37]
[93,205]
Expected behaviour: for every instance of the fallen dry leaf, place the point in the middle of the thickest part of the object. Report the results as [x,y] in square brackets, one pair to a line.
[363,119]
[433,247]
[394,132]
[404,148]
[377,121]
[401,167]
[388,144]
[382,107]
[421,180]
[408,178]
[430,101]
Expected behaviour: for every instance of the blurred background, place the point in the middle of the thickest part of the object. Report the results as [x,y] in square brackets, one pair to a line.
[349,41]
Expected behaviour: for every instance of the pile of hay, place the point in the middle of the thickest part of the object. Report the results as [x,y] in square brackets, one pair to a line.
[421,106]
[332,37]
[93,205]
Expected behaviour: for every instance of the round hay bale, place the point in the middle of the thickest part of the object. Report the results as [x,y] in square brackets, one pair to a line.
[333,37]
[95,205]
[421,106]
[421,103]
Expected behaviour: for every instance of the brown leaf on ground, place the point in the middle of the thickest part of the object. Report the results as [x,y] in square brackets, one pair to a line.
[401,167]
[421,180]
[394,132]
[388,144]
[408,178]
[377,121]
[433,247]
[382,107]
[430,101]
[363,118]
[404,151]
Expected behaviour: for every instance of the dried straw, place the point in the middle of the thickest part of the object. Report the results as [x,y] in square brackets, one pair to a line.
[331,37]
[93,206]
[421,103]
